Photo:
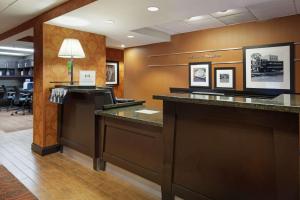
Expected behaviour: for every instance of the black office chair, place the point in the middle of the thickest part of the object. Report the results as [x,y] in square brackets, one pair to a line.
[116,100]
[6,99]
[21,101]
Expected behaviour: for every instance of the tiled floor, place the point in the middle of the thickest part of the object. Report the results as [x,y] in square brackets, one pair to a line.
[58,177]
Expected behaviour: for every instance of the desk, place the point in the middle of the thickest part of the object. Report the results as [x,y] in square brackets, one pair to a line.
[130,140]
[218,148]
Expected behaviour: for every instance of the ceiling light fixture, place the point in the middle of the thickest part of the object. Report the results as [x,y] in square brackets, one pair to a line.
[130,36]
[109,21]
[12,54]
[153,9]
[195,18]
[123,46]
[16,49]
[224,11]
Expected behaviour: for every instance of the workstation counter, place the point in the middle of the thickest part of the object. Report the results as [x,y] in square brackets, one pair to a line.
[131,138]
[136,114]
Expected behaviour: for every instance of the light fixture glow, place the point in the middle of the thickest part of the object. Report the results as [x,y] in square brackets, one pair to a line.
[70,21]
[109,21]
[71,48]
[12,54]
[153,9]
[195,18]
[16,49]
[123,46]
[130,36]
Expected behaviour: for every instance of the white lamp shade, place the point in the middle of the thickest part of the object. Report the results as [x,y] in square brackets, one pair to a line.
[71,48]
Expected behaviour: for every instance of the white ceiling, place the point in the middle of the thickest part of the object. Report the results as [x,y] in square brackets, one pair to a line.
[131,17]
[15,12]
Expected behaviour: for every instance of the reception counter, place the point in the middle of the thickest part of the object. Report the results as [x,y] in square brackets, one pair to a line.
[222,147]
[131,139]
[208,147]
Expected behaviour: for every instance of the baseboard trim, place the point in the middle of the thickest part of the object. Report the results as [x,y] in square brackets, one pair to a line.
[45,150]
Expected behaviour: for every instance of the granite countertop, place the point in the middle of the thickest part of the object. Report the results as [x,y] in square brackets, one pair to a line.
[129,114]
[281,103]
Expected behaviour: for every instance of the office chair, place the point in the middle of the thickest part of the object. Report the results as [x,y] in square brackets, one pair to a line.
[20,100]
[6,99]
[116,100]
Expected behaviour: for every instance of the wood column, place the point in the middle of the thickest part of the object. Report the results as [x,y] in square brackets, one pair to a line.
[48,68]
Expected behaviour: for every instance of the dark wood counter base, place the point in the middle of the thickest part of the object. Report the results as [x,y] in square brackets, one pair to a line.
[45,150]
[215,152]
[132,146]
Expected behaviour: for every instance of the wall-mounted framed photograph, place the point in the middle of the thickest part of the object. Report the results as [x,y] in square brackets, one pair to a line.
[200,75]
[112,73]
[225,78]
[269,69]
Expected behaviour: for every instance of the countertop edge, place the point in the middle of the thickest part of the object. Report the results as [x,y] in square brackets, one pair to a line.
[104,114]
[257,106]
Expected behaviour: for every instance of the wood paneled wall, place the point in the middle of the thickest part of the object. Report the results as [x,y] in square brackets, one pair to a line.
[117,55]
[48,67]
[146,75]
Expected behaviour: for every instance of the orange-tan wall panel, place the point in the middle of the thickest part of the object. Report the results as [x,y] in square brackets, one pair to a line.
[51,68]
[146,74]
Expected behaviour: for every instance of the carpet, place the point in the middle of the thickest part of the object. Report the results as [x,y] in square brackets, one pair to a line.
[11,188]
[14,123]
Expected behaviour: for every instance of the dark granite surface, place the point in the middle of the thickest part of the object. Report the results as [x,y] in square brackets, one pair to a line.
[281,103]
[129,114]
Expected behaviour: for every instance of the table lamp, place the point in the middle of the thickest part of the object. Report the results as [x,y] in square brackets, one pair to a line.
[71,48]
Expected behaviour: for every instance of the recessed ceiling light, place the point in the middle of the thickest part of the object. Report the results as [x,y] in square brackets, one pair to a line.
[123,46]
[12,54]
[153,9]
[16,49]
[130,36]
[109,21]
[224,11]
[195,18]
[70,21]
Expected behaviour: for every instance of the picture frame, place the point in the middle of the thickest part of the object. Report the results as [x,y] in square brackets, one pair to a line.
[224,78]
[200,75]
[112,73]
[269,69]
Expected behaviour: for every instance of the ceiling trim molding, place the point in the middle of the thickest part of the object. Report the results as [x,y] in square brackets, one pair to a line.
[26,39]
[46,16]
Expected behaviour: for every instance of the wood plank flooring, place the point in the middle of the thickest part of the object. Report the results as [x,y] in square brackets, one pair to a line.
[58,177]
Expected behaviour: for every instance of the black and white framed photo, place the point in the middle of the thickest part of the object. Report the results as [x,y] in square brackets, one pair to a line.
[269,69]
[200,74]
[112,73]
[225,78]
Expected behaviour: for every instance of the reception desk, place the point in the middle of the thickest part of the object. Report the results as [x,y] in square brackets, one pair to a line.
[219,147]
[208,147]
[77,119]
[130,140]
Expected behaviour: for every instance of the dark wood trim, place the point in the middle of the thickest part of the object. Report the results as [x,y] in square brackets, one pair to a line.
[139,170]
[27,39]
[168,132]
[185,193]
[292,70]
[45,150]
[233,77]
[209,74]
[46,16]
